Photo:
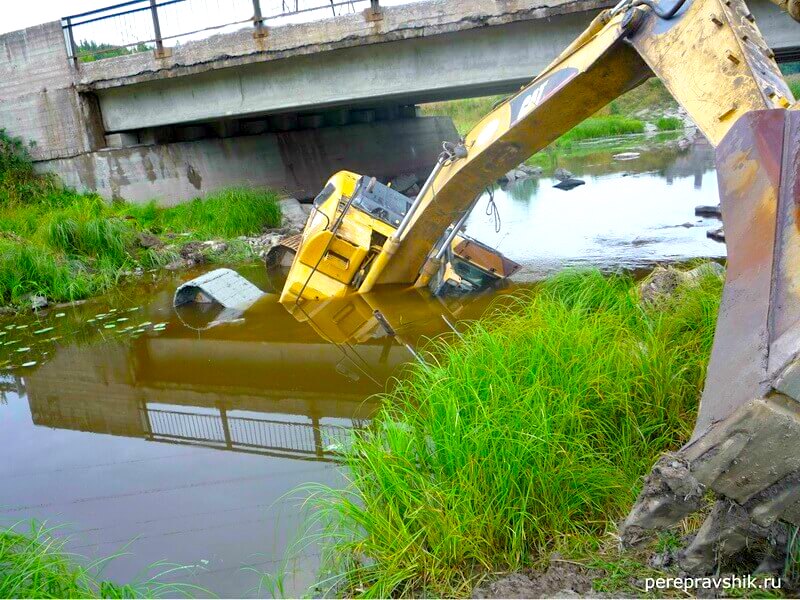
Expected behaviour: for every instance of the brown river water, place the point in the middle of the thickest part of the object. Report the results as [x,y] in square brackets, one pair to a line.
[138,429]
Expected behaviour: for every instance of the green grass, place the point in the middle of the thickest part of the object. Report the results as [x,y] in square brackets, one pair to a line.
[465,113]
[34,564]
[601,127]
[63,245]
[531,434]
[669,124]
[229,213]
[794,85]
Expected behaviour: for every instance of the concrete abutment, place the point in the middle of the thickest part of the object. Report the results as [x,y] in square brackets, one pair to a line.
[297,162]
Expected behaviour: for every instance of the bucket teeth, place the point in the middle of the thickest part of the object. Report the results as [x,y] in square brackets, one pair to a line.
[670,493]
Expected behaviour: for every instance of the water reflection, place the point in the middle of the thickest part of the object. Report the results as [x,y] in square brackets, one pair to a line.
[186,444]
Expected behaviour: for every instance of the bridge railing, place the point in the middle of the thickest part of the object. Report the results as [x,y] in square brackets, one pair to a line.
[155,25]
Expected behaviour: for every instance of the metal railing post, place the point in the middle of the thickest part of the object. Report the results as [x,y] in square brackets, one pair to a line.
[258,20]
[160,53]
[73,47]
[373,13]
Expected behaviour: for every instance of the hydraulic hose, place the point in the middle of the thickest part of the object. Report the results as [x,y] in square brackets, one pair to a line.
[666,15]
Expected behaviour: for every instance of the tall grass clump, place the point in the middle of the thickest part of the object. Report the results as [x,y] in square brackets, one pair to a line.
[601,127]
[65,245]
[231,212]
[26,269]
[669,123]
[529,435]
[35,564]
[86,227]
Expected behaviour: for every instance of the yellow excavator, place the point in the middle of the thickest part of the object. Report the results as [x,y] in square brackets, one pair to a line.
[712,58]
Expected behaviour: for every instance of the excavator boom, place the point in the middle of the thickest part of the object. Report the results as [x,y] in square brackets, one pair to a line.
[714,61]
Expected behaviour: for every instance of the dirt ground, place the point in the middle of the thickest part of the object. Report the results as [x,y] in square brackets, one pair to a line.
[562,579]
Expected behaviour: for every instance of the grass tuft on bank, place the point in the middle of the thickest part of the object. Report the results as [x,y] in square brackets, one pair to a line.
[530,435]
[669,124]
[35,564]
[65,246]
[228,213]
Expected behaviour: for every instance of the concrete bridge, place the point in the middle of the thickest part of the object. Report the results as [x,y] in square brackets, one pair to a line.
[287,107]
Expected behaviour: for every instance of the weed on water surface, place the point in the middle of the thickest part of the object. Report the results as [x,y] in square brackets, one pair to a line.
[531,434]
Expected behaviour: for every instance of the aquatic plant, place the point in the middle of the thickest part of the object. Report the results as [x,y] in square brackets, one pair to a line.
[35,564]
[529,435]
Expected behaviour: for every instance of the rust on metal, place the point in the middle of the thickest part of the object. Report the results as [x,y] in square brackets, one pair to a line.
[486,258]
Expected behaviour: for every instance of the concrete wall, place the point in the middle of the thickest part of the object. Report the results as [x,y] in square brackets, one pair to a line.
[298,162]
[38,100]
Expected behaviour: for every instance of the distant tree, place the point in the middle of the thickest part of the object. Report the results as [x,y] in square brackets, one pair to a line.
[89,51]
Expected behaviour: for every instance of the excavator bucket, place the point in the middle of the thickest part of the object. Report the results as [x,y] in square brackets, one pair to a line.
[746,442]
[750,404]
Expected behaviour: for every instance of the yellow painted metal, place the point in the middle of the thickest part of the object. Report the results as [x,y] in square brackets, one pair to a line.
[715,62]
[711,57]
[327,261]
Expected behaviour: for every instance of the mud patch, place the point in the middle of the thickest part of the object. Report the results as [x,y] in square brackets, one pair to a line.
[562,579]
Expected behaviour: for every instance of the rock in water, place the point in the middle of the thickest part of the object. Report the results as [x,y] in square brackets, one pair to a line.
[708,211]
[718,235]
[37,302]
[562,174]
[569,184]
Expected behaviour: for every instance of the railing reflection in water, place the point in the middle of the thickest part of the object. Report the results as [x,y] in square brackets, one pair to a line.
[222,431]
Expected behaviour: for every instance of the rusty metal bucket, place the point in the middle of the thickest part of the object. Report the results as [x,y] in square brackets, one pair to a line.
[746,442]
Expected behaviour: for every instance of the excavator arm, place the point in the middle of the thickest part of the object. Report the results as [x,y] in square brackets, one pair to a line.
[714,61]
[710,55]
